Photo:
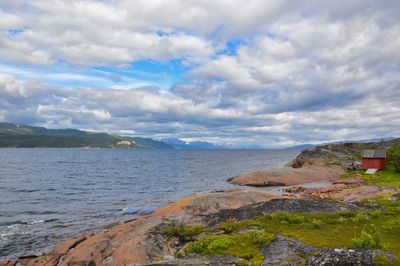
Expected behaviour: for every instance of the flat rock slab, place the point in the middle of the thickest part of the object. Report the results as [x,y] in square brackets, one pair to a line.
[280,205]
[288,176]
[361,193]
[346,257]
[286,251]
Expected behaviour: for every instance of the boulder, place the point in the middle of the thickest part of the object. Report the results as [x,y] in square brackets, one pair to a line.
[346,257]
[354,166]
[286,251]
[287,176]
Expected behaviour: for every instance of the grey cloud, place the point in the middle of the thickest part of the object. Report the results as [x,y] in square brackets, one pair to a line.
[305,71]
[147,112]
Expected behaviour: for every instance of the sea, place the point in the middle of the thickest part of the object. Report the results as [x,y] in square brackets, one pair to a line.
[47,195]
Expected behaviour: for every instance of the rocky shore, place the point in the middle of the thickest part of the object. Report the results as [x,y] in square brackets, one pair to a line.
[142,241]
[320,163]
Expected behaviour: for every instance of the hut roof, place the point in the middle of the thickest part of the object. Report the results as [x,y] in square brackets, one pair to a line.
[374,154]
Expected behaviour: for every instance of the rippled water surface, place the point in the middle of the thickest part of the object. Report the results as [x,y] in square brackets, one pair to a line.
[50,194]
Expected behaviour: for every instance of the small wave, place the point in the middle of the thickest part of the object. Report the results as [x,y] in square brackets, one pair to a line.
[16,223]
[36,222]
[130,210]
[136,210]
[6,235]
[39,212]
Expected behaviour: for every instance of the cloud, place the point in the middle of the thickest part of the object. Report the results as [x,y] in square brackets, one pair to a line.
[257,72]
[148,112]
[88,33]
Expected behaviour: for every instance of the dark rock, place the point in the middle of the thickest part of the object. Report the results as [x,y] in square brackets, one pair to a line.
[346,257]
[279,205]
[298,162]
[267,184]
[84,263]
[157,245]
[220,260]
[296,190]
[28,256]
[396,196]
[354,166]
[286,251]
[230,178]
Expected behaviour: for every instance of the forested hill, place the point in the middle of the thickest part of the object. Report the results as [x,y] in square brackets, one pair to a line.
[14,135]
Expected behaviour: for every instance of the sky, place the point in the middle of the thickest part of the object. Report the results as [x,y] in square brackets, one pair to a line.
[243,73]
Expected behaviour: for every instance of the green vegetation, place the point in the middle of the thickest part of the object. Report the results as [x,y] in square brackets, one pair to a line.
[367,241]
[377,229]
[383,178]
[31,141]
[246,245]
[380,260]
[184,233]
[394,157]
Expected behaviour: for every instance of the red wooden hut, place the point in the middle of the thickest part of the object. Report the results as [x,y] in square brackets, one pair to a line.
[374,159]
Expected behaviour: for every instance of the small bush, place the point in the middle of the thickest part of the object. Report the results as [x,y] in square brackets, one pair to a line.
[367,241]
[197,247]
[210,244]
[221,242]
[316,223]
[178,255]
[229,226]
[360,217]
[259,237]
[184,233]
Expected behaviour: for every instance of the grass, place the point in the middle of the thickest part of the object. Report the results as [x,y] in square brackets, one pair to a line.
[378,229]
[246,245]
[383,178]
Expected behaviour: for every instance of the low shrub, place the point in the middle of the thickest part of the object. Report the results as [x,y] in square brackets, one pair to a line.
[360,217]
[184,233]
[210,244]
[367,241]
[229,226]
[258,237]
[316,223]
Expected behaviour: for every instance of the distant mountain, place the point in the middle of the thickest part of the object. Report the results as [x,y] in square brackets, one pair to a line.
[180,144]
[15,135]
[364,140]
[308,146]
